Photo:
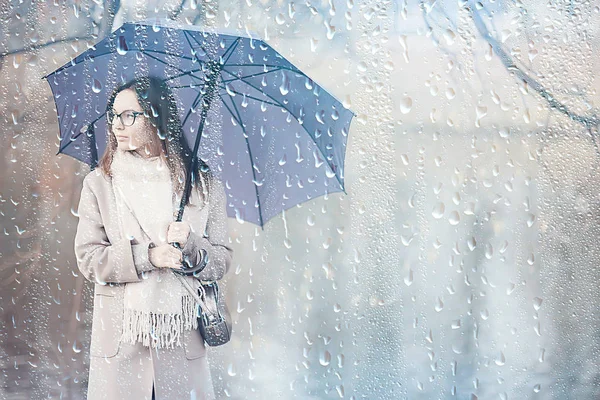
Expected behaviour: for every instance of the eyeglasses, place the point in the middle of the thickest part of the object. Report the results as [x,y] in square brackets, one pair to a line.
[127,117]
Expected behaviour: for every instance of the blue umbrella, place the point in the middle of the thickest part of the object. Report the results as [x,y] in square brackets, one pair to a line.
[278,139]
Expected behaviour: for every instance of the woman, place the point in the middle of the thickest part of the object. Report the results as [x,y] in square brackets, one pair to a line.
[145,342]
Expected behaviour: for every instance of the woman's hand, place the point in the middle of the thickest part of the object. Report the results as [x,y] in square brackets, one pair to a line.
[178,232]
[165,256]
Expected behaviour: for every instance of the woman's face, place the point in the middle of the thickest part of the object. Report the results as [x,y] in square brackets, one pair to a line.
[134,137]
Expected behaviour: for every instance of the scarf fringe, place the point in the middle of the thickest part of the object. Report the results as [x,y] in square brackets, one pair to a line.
[159,330]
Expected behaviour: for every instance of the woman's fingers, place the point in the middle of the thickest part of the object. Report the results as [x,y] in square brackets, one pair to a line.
[175,236]
[176,257]
[167,256]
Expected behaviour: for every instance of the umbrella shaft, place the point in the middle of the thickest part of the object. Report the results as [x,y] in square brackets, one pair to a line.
[206,102]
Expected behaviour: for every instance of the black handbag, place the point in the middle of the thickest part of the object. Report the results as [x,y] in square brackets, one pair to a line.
[214,318]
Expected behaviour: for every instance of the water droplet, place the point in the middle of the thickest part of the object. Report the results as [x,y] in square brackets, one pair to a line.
[210,13]
[231,370]
[330,29]
[357,256]
[438,210]
[449,36]
[406,240]
[429,337]
[480,112]
[454,218]
[485,314]
[537,303]
[347,102]
[76,349]
[325,358]
[532,54]
[320,116]
[439,305]
[408,279]
[456,324]
[122,46]
[280,19]
[542,355]
[530,220]
[537,388]
[531,259]
[239,216]
[470,208]
[489,251]
[284,88]
[406,105]
[472,243]
[511,288]
[96,86]
[329,270]
[501,360]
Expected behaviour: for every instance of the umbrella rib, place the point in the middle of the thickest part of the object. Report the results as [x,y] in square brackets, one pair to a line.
[251,97]
[266,65]
[292,114]
[166,53]
[69,64]
[249,155]
[167,64]
[251,76]
[190,73]
[232,48]
[71,140]
[186,33]
[190,111]
[188,86]
[231,112]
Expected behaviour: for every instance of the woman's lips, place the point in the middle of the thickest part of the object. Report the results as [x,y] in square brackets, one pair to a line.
[122,137]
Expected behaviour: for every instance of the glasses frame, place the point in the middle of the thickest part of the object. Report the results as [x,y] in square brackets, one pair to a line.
[110,120]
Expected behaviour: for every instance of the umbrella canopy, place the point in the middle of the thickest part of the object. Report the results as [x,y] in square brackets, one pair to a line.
[277,138]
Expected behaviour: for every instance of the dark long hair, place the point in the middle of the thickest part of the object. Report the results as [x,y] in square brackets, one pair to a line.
[159,105]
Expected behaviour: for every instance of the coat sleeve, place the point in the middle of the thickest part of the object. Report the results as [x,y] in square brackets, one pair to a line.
[99,260]
[215,240]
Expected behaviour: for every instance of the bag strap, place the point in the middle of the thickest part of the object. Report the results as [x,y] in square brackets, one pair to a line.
[191,290]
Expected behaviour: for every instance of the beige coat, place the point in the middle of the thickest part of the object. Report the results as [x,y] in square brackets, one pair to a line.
[120,371]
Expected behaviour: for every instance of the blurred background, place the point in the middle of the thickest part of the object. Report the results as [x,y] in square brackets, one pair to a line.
[463,261]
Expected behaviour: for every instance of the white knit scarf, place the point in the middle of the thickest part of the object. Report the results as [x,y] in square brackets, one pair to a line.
[158,308]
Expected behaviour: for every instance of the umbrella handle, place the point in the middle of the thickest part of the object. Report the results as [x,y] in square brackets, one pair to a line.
[188,268]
